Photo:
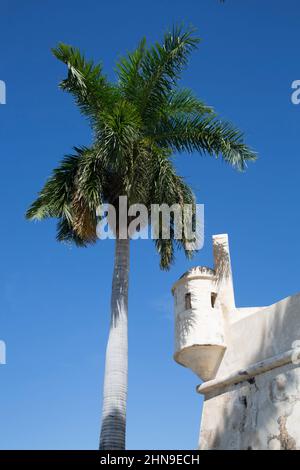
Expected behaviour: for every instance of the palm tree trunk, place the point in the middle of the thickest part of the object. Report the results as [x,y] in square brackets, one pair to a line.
[113,427]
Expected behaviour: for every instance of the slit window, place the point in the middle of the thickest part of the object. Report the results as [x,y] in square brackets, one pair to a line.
[213,298]
[188,301]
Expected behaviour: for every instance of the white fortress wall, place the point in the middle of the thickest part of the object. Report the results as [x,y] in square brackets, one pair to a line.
[246,357]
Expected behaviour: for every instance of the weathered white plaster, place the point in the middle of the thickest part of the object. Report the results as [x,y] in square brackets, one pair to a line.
[199,338]
[246,357]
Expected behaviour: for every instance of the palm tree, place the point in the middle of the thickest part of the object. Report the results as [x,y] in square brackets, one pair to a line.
[138,122]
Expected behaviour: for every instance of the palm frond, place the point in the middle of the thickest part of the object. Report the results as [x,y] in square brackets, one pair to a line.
[162,66]
[181,102]
[118,130]
[55,198]
[165,249]
[85,81]
[66,234]
[72,194]
[129,72]
[170,189]
[204,135]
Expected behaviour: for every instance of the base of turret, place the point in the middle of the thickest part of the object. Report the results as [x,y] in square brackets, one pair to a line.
[202,359]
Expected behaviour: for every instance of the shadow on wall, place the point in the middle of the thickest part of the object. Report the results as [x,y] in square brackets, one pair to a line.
[260,413]
[113,431]
[222,262]
[222,272]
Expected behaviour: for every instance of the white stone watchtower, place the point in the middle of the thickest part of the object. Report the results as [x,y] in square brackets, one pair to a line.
[200,303]
[248,358]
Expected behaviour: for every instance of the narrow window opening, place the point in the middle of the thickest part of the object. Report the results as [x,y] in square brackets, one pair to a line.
[213,298]
[188,301]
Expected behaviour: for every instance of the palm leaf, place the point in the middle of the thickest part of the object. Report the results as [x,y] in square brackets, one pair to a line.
[85,81]
[204,135]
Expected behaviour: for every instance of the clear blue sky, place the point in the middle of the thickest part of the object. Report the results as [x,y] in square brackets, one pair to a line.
[54,301]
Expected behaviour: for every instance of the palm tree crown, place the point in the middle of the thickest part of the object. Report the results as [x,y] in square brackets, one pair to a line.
[138,123]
